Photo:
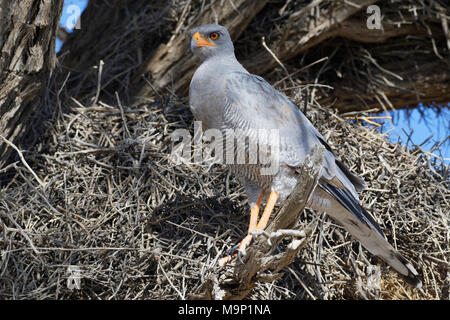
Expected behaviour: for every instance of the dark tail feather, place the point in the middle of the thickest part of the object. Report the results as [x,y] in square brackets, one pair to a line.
[388,254]
[413,277]
[349,202]
[358,182]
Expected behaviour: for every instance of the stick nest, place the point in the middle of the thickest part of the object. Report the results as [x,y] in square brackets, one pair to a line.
[139,227]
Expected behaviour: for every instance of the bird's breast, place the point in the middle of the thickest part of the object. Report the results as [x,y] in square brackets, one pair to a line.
[207,101]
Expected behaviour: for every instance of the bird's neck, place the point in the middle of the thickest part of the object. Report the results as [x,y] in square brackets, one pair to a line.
[215,69]
[206,91]
[223,63]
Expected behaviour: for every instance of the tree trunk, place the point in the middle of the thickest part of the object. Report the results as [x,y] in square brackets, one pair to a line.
[27,46]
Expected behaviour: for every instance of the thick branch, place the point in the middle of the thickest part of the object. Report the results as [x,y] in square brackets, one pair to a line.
[302,33]
[237,282]
[428,84]
[173,63]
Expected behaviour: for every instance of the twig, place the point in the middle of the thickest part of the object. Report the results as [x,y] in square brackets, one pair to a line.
[276,58]
[170,282]
[25,163]
[20,230]
[122,113]
[99,82]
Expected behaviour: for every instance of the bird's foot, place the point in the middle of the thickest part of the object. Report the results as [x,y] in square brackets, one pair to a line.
[237,251]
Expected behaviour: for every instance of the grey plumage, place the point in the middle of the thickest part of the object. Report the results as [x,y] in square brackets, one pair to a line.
[225,96]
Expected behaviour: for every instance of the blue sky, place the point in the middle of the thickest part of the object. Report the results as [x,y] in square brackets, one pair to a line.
[420,124]
[411,121]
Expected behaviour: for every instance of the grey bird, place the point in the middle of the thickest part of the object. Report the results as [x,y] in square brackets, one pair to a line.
[223,95]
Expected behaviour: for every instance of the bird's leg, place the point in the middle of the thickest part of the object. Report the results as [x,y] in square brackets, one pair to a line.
[254,213]
[253,225]
[273,197]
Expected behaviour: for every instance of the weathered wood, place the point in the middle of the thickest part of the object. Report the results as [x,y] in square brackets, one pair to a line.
[27,48]
[173,64]
[261,255]
[301,33]
[170,64]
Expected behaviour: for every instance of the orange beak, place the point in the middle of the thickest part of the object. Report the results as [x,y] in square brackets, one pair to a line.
[201,40]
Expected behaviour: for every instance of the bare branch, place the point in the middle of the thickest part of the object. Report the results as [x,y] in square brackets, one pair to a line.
[262,262]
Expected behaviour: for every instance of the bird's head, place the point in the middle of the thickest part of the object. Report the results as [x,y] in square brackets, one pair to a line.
[211,40]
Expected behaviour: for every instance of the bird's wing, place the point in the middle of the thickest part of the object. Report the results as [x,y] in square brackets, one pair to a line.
[254,103]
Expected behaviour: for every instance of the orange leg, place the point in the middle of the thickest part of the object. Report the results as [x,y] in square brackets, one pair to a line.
[254,213]
[262,222]
[273,197]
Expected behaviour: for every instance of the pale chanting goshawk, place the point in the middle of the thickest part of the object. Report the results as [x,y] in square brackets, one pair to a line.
[223,95]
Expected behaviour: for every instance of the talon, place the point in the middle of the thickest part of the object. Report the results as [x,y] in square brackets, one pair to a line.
[239,256]
[238,250]
[279,249]
[233,250]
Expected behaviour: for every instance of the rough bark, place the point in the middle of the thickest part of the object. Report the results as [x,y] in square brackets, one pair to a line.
[171,65]
[301,33]
[412,83]
[27,48]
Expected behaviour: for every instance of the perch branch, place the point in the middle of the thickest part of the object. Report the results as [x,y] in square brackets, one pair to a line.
[263,262]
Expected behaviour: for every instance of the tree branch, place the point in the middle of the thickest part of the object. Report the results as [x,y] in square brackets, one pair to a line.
[263,263]
[301,33]
[429,84]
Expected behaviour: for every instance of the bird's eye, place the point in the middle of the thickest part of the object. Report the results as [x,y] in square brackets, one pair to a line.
[214,36]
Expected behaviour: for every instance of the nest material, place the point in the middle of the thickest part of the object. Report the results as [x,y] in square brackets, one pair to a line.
[139,227]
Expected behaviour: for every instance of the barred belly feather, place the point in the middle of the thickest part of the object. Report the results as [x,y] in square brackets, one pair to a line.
[252,172]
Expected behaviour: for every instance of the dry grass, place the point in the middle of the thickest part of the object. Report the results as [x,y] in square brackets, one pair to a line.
[139,227]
